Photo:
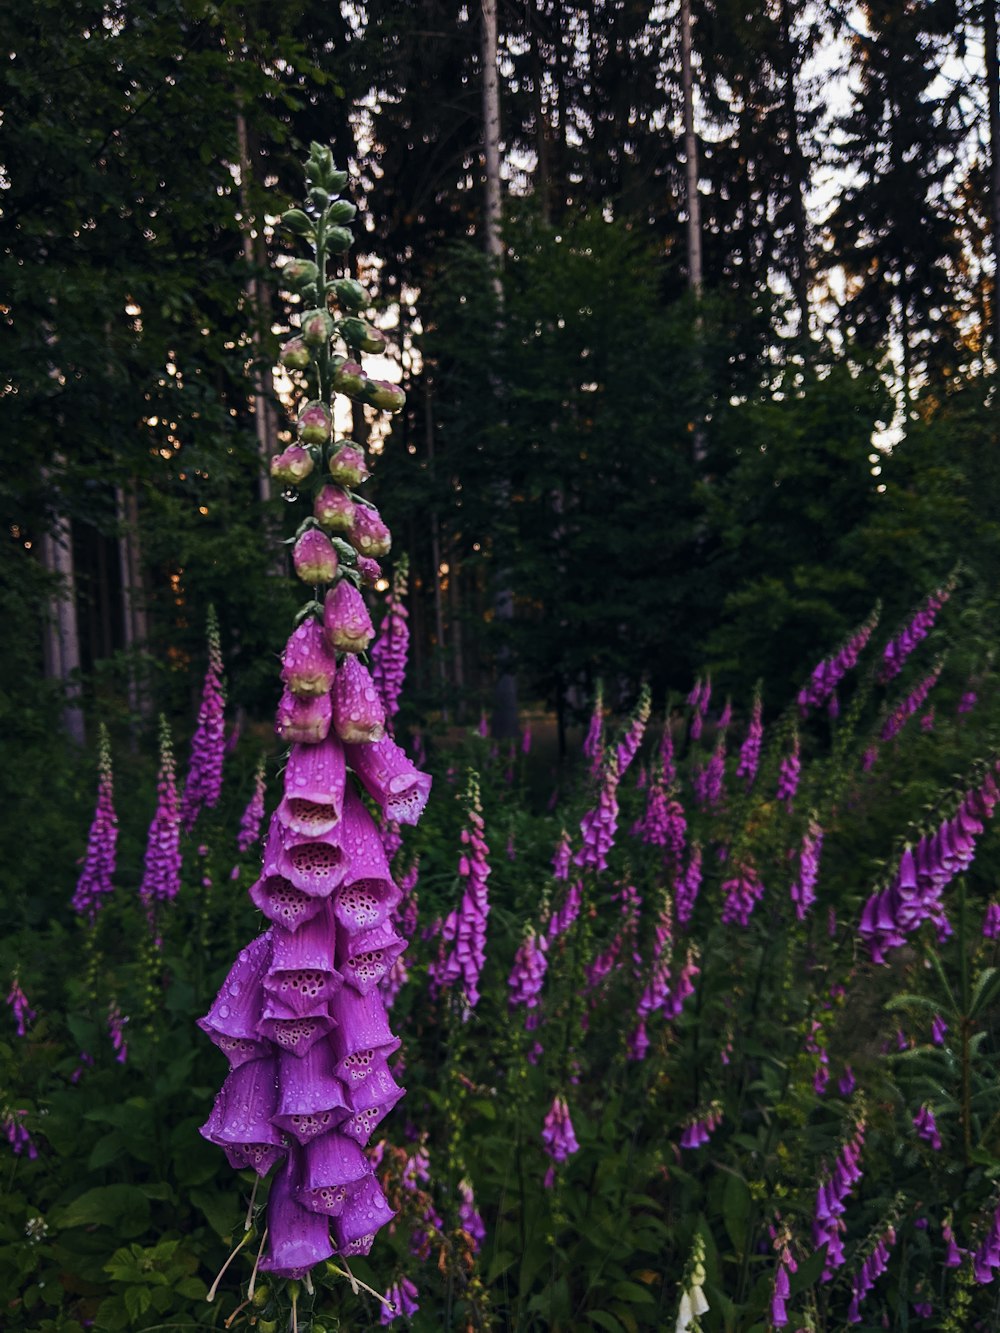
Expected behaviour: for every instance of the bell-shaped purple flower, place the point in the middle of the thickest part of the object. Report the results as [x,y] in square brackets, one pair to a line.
[402,1297]
[303,719]
[292,466]
[348,465]
[298,1238]
[558,1134]
[368,534]
[390,778]
[314,424]
[333,509]
[241,1122]
[307,664]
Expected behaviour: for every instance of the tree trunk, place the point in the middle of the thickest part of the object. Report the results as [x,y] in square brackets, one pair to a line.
[259,303]
[796,170]
[62,637]
[543,130]
[436,554]
[505,689]
[134,618]
[992,56]
[690,157]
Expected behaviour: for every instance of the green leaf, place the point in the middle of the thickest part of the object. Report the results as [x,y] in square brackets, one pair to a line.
[604,1320]
[123,1207]
[137,1301]
[221,1210]
[736,1211]
[986,991]
[632,1291]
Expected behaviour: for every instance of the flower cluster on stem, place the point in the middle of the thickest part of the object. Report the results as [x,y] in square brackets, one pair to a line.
[94,884]
[827,675]
[898,649]
[203,785]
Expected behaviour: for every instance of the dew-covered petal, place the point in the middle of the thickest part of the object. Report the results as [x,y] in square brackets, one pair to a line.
[311,1098]
[282,903]
[364,959]
[314,788]
[358,712]
[232,1020]
[295,1034]
[391,779]
[332,1166]
[365,1211]
[303,720]
[298,1238]
[241,1119]
[368,895]
[362,1024]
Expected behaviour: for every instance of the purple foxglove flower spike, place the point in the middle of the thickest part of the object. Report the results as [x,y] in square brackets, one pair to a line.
[991,921]
[926,1126]
[558,1135]
[939,1029]
[95,884]
[828,674]
[16,1133]
[789,773]
[18,1002]
[390,650]
[905,709]
[468,1215]
[742,894]
[203,786]
[749,759]
[593,744]
[298,1238]
[465,929]
[629,744]
[897,650]
[116,1031]
[528,973]
[161,877]
[687,887]
[803,890]
[253,815]
[348,465]
[562,857]
[967,702]
[600,825]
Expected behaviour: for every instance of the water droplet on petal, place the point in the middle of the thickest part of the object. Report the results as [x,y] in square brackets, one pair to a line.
[290,494]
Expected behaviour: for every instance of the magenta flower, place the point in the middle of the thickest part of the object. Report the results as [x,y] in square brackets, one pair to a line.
[939,1029]
[789,774]
[847,1082]
[562,857]
[742,893]
[307,664]
[558,1136]
[465,928]
[991,921]
[116,1031]
[94,884]
[17,1134]
[468,1215]
[565,915]
[831,1198]
[348,465]
[203,786]
[18,1002]
[593,744]
[827,675]
[913,702]
[708,779]
[314,557]
[654,828]
[358,711]
[526,740]
[368,533]
[926,1127]
[402,1298]
[803,890]
[528,974]
[390,650]
[872,1268]
[253,815]
[779,1295]
[897,650]
[346,622]
[699,1129]
[599,825]
[749,759]
[333,509]
[628,746]
[967,702]
[161,876]
[686,889]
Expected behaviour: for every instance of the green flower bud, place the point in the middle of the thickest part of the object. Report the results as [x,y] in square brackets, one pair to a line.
[315,423]
[350,379]
[352,330]
[317,327]
[384,394]
[298,273]
[296,222]
[267,1325]
[374,339]
[341,212]
[295,355]
[260,1298]
[350,294]
[339,239]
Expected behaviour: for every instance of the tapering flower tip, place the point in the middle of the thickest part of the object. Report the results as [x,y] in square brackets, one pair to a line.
[314,558]
[368,895]
[314,788]
[313,865]
[384,395]
[307,664]
[295,354]
[991,921]
[333,509]
[366,959]
[241,1119]
[315,423]
[390,778]
[346,621]
[250,820]
[348,465]
[282,903]
[303,720]
[370,571]
[358,713]
[231,1023]
[350,378]
[292,465]
[298,1238]
[368,533]
[311,1100]
[333,1166]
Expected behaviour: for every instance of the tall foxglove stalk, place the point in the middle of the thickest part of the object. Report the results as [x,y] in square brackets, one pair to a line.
[826,676]
[628,746]
[898,649]
[464,930]
[912,703]
[253,815]
[203,785]
[161,877]
[94,884]
[749,760]
[17,1002]
[789,774]
[301,1016]
[390,651]
[593,743]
